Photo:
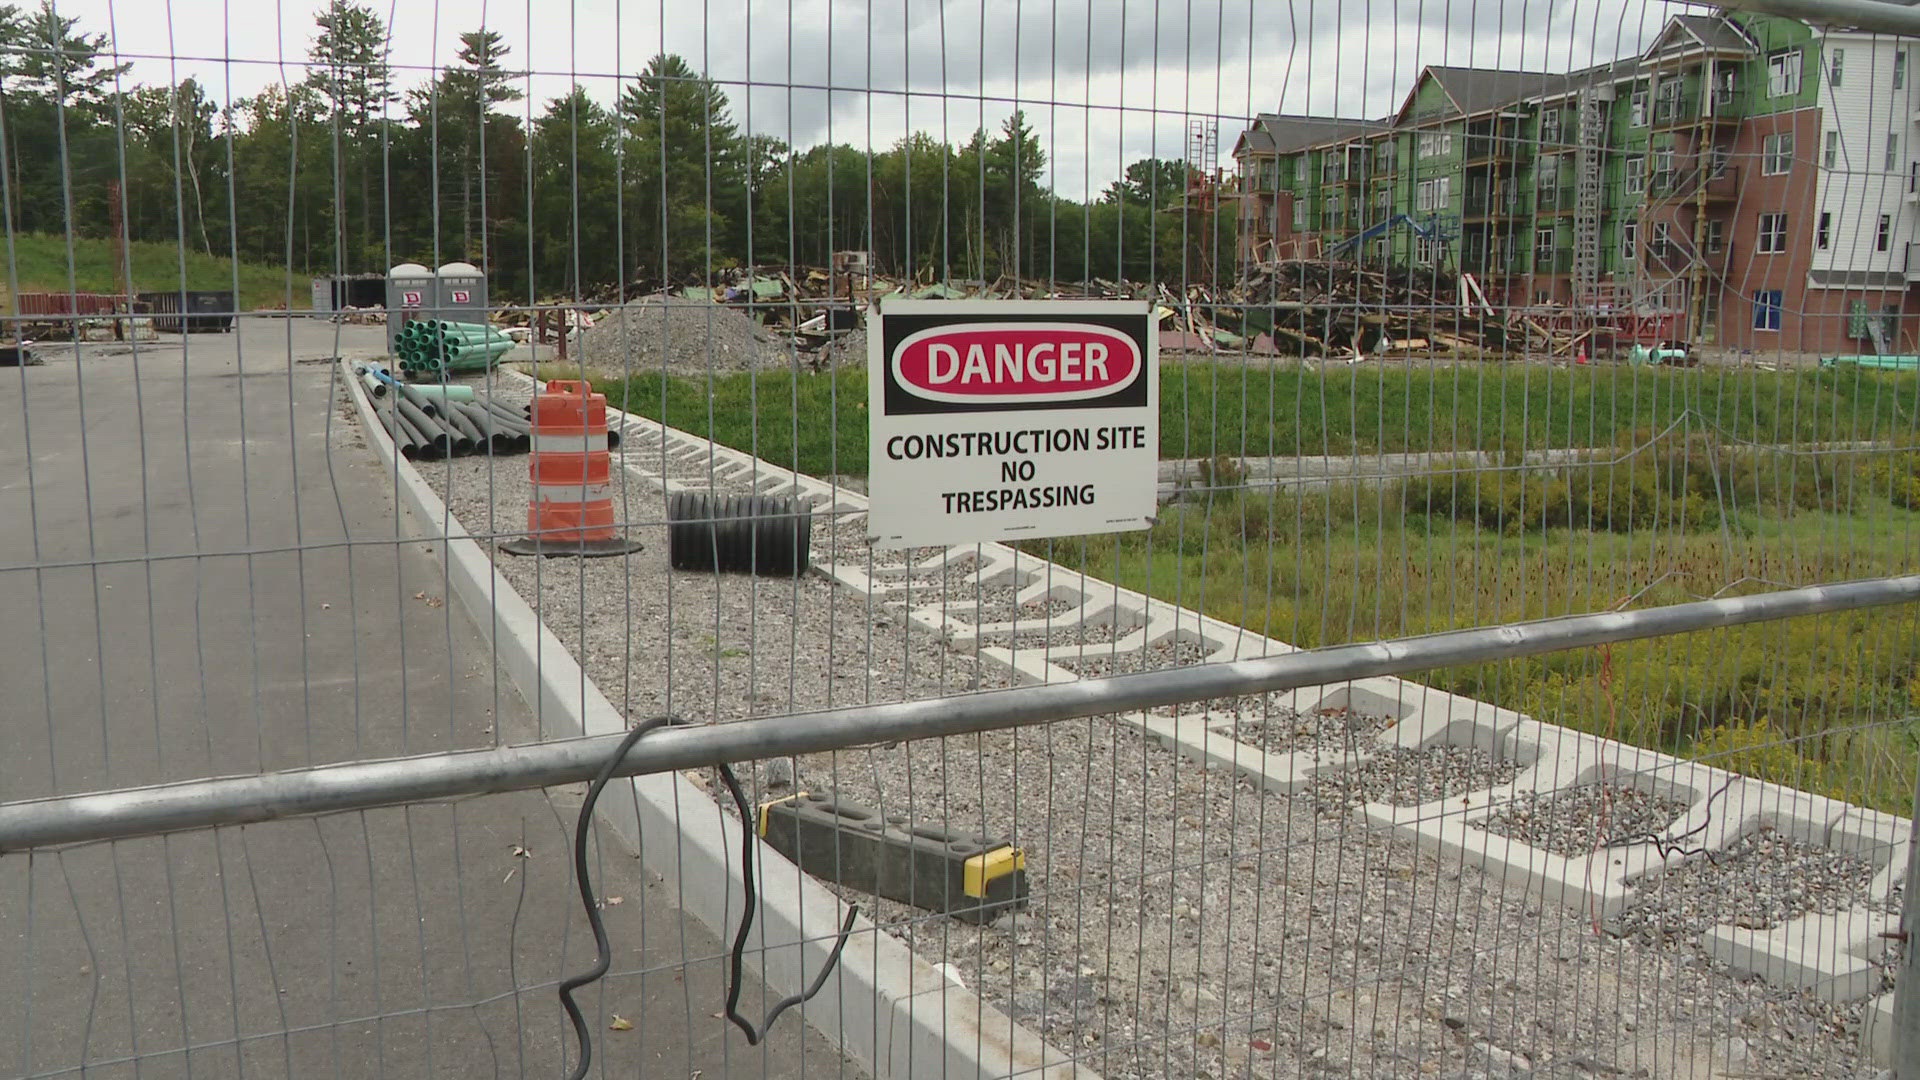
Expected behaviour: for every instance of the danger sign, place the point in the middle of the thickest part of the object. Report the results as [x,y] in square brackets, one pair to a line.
[410,299]
[998,420]
[460,296]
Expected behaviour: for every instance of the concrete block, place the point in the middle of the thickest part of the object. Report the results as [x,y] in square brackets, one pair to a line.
[1199,739]
[1434,714]
[1826,955]
[972,878]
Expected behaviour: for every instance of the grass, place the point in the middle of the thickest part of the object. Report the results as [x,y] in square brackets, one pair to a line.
[42,259]
[818,423]
[1776,700]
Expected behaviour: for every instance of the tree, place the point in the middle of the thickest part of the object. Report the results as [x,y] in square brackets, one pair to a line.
[468,142]
[350,68]
[61,65]
[1154,182]
[686,169]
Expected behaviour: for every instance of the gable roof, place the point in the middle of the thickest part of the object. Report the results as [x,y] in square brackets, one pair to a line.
[1717,32]
[1477,90]
[1285,133]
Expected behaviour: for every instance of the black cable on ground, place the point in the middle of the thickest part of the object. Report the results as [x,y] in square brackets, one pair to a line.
[755,1034]
[603,955]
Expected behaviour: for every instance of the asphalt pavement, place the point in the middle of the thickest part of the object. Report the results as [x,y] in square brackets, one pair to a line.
[200,575]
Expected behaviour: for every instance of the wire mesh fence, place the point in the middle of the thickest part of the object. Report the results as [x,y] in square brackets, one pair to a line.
[1466,316]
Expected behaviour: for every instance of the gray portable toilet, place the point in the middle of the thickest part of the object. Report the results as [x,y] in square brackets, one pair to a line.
[463,293]
[410,295]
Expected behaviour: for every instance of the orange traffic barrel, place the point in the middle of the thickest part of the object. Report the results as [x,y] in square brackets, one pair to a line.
[571,511]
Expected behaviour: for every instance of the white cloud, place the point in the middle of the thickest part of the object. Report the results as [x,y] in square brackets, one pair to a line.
[1103,81]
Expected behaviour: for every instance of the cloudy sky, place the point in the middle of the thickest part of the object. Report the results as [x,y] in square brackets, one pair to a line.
[1104,81]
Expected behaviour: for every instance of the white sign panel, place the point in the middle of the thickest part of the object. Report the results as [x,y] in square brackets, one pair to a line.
[1011,420]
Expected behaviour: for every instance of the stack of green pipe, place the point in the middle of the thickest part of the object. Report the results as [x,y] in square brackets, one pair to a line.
[433,347]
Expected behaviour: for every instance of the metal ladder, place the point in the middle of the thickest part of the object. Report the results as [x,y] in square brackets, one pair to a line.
[1588,167]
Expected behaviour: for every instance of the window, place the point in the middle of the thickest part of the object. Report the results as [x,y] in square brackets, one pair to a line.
[1836,66]
[1773,234]
[1893,152]
[1716,236]
[1550,126]
[1831,156]
[1548,172]
[1427,251]
[1543,243]
[1542,298]
[1383,200]
[1823,232]
[1662,239]
[1783,73]
[1629,238]
[1883,236]
[1423,195]
[1666,101]
[1299,212]
[1637,108]
[1899,69]
[1379,245]
[1300,170]
[1724,86]
[1384,154]
[1636,174]
[1442,192]
[1434,144]
[1776,154]
[1766,309]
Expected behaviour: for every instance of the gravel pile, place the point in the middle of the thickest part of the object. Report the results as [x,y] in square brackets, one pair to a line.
[1164,654]
[847,350]
[683,337]
[1280,730]
[1576,821]
[1759,881]
[1401,776]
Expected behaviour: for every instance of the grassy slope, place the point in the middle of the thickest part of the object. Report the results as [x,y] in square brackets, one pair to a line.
[42,260]
[1210,409]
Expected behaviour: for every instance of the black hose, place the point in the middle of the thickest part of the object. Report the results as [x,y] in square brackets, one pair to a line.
[415,444]
[461,423]
[603,949]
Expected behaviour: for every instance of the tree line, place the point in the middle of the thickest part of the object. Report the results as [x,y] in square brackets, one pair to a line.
[341,171]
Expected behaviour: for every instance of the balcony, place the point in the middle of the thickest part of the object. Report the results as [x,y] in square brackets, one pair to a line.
[1488,206]
[1558,199]
[1556,261]
[1493,149]
[1685,111]
[1715,183]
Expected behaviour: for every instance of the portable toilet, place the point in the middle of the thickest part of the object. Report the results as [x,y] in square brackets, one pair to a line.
[410,295]
[463,293]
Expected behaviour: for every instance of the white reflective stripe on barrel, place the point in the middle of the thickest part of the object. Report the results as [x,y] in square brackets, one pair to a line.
[568,444]
[573,493]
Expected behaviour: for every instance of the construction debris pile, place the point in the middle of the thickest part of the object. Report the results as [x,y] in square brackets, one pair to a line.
[754,319]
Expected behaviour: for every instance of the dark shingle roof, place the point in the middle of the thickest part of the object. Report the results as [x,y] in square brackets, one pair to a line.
[1290,132]
[1476,90]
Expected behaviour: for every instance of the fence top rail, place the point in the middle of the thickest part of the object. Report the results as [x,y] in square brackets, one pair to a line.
[328,789]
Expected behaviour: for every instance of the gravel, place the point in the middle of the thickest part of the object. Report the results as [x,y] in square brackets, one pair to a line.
[1183,923]
[1759,881]
[683,337]
[1282,731]
[1577,821]
[1402,776]
[1163,654]
[1066,637]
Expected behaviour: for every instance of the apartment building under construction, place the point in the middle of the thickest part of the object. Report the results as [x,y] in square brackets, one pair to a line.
[1746,181]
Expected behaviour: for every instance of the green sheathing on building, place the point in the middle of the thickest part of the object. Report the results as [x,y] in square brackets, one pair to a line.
[1775,35]
[1430,100]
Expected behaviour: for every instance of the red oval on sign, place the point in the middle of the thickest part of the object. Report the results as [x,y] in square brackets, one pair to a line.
[1008,363]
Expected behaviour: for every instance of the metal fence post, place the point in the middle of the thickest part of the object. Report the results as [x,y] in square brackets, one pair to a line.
[1906,986]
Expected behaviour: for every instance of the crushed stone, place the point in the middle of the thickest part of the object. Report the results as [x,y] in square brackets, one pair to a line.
[1577,821]
[1403,776]
[680,337]
[1757,882]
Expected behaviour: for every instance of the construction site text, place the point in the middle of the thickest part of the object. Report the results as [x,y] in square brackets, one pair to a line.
[966,444]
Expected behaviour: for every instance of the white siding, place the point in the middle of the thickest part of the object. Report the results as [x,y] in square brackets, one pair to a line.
[1864,110]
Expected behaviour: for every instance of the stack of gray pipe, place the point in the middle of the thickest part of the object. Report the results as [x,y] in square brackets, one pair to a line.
[427,426]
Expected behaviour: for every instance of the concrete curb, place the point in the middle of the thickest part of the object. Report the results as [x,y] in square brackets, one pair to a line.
[885,1007]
